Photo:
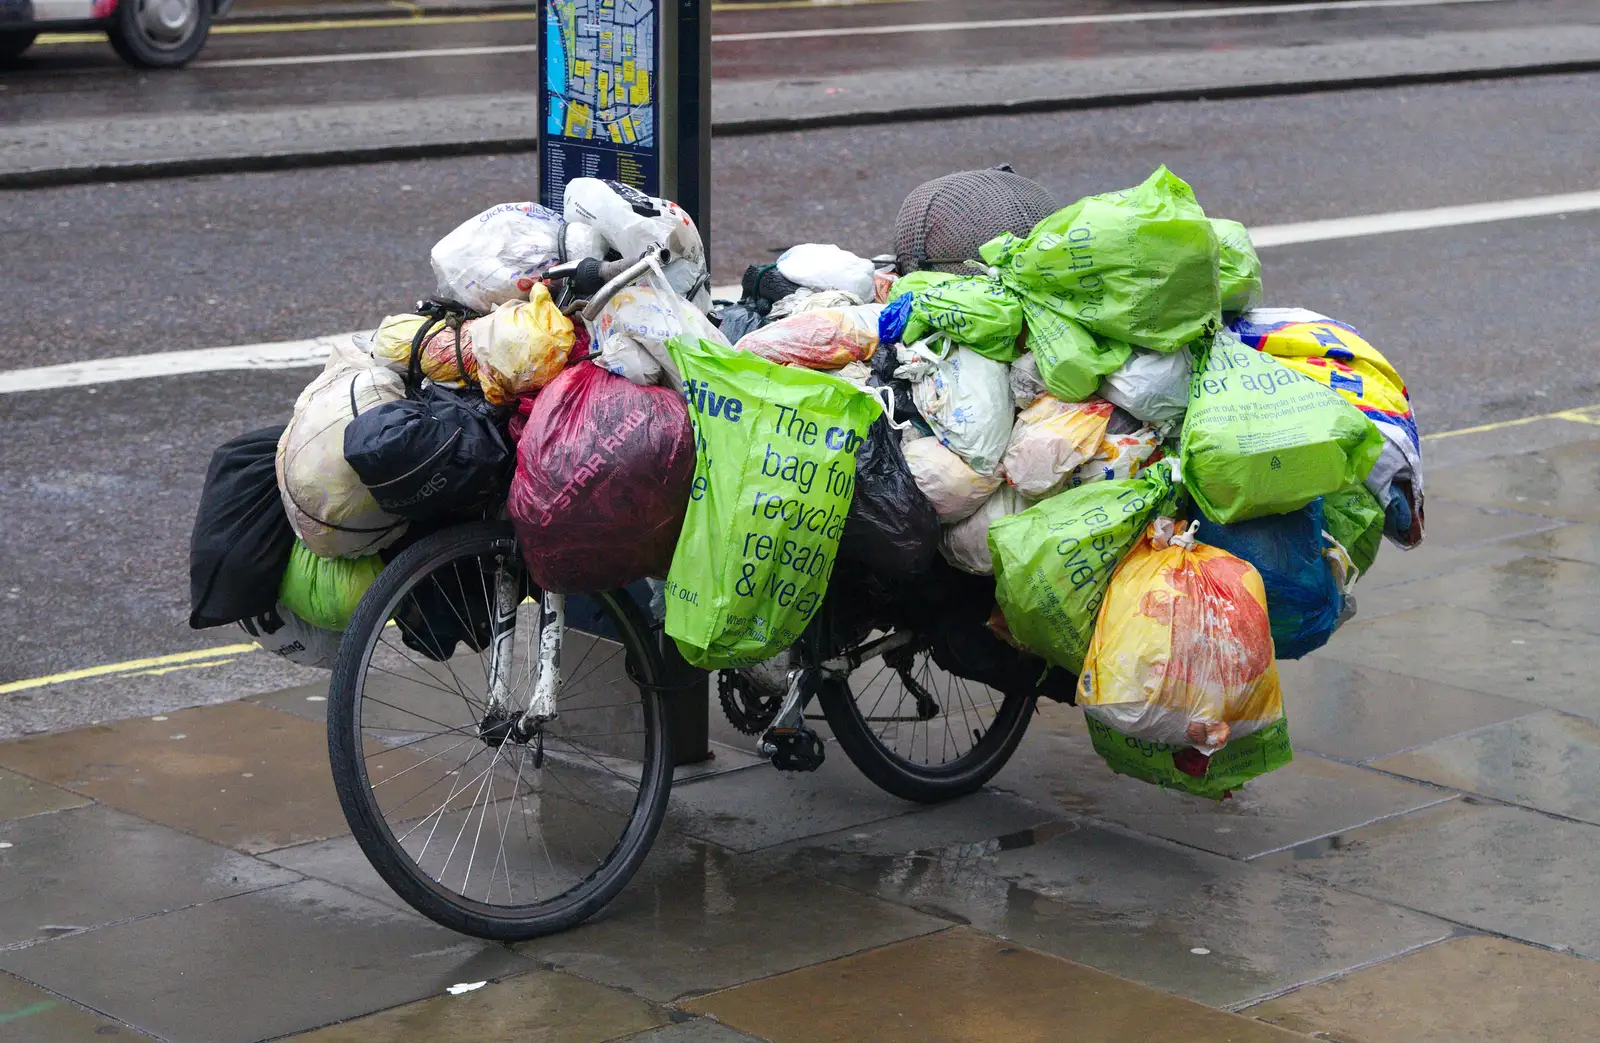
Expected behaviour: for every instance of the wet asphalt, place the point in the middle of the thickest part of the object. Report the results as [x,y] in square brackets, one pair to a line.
[97,490]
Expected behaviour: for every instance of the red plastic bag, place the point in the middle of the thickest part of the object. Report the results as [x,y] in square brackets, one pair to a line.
[603,474]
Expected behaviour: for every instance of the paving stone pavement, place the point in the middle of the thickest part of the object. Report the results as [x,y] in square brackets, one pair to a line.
[1423,871]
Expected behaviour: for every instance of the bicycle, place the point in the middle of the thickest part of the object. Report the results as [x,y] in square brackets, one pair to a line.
[453,681]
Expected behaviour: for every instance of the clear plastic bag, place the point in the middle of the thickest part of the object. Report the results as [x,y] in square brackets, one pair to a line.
[498,255]
[632,330]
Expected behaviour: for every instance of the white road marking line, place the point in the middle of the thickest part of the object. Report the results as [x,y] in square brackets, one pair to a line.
[1421,220]
[1112,18]
[363,56]
[295,354]
[289,354]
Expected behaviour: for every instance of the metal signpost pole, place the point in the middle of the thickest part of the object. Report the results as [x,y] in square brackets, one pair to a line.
[627,98]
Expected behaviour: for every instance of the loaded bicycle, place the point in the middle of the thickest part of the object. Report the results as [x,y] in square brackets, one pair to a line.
[502,752]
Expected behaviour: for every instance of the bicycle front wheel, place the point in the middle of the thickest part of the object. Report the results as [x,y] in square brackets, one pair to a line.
[485,830]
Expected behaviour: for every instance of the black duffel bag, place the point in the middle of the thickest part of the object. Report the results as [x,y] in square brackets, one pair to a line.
[241,539]
[435,453]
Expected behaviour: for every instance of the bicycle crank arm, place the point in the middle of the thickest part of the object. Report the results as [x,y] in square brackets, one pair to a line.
[789,744]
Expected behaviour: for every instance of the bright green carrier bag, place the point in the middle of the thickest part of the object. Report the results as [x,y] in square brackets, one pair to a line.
[1260,438]
[775,467]
[1053,562]
[1137,266]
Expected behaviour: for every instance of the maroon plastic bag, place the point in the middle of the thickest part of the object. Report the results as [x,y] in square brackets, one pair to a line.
[603,474]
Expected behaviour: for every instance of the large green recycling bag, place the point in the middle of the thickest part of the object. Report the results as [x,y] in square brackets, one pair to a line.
[1138,266]
[1053,562]
[1238,267]
[775,467]
[974,310]
[1071,360]
[1260,438]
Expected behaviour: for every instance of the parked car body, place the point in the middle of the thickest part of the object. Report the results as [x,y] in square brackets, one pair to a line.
[153,34]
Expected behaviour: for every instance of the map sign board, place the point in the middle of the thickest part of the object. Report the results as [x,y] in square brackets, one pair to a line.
[600,112]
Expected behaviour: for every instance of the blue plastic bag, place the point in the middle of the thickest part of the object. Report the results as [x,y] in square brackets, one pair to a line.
[1304,599]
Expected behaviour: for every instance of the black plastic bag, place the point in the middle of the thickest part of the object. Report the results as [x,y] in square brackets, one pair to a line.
[735,320]
[449,607]
[883,366]
[241,539]
[891,529]
[437,454]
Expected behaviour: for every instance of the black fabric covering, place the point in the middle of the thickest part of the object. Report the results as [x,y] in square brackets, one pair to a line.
[241,539]
[438,453]
[883,366]
[891,528]
[735,320]
[454,605]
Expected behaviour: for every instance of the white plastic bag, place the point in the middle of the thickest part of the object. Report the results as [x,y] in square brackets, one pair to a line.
[498,255]
[328,507]
[823,266]
[964,397]
[1026,384]
[954,489]
[632,222]
[287,636]
[966,543]
[1151,385]
[1050,440]
[631,331]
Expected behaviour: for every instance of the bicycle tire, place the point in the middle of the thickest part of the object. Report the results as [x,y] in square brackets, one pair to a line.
[923,783]
[347,746]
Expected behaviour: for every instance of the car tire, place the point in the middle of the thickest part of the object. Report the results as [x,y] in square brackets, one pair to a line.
[15,41]
[159,34]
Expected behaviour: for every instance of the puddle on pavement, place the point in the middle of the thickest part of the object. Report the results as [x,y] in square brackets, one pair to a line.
[1301,852]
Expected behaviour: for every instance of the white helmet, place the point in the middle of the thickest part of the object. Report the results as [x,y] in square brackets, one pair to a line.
[286,635]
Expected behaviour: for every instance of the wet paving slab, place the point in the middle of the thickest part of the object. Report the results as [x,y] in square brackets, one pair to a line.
[1574,542]
[1554,591]
[1481,651]
[260,965]
[78,869]
[534,1007]
[1467,990]
[29,1014]
[1548,761]
[961,986]
[237,774]
[1196,924]
[696,919]
[1501,869]
[1310,797]
[1459,536]
[1356,713]
[1561,482]
[762,807]
[21,796]
[699,1030]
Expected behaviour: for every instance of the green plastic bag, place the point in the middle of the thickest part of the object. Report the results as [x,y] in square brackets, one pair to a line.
[774,472]
[1238,267]
[1071,360]
[325,591]
[1053,562]
[974,310]
[1355,519]
[1260,438]
[1226,770]
[1138,266]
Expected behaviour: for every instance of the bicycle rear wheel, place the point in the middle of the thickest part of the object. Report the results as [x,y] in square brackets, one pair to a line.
[920,732]
[485,831]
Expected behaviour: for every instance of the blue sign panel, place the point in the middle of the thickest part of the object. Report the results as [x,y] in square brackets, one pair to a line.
[599,114]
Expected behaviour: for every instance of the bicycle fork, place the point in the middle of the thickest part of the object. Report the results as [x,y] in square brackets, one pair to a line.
[502,657]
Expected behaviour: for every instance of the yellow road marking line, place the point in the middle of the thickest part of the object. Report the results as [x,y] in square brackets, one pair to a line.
[129,667]
[420,19]
[1581,415]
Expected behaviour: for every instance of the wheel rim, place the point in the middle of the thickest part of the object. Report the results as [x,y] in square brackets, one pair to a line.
[167,24]
[886,696]
[505,828]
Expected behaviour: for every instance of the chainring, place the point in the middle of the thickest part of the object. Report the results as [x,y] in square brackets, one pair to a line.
[750,707]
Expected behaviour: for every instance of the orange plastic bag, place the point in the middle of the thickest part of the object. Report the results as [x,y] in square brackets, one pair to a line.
[1182,649]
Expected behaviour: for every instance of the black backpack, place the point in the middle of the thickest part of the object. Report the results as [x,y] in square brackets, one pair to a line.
[241,539]
[435,453]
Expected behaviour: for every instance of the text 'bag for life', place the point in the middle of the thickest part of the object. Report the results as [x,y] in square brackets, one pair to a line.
[774,473]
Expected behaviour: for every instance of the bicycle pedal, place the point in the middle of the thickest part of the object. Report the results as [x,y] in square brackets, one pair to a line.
[794,749]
